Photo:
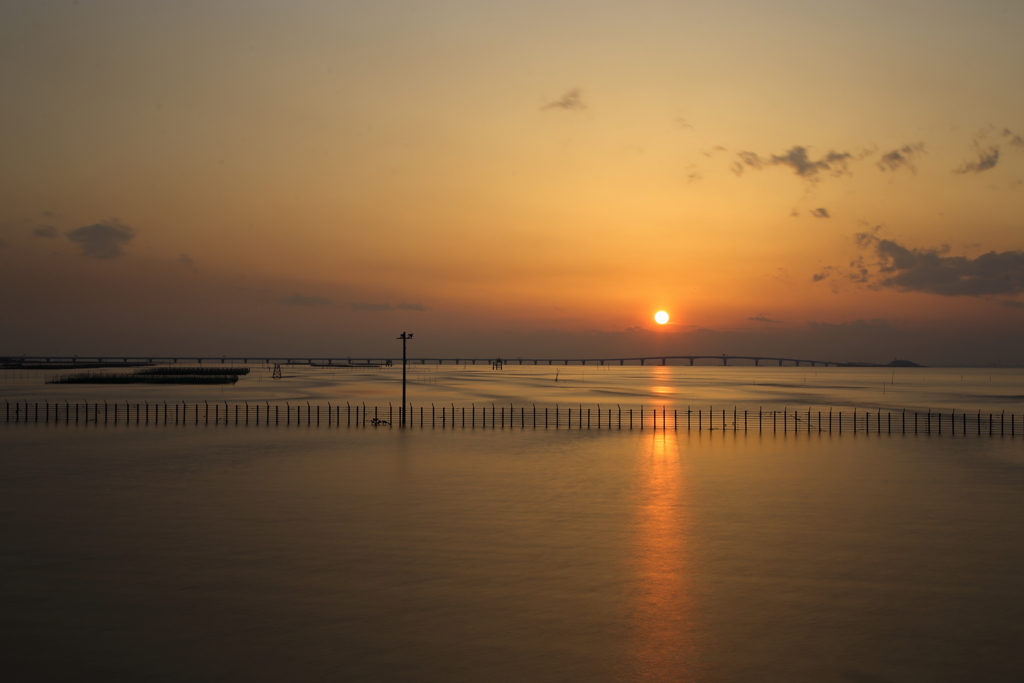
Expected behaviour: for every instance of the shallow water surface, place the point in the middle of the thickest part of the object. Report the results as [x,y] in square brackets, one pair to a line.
[171,554]
[679,387]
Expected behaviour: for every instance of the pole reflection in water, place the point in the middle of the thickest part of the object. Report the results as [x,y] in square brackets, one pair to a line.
[663,606]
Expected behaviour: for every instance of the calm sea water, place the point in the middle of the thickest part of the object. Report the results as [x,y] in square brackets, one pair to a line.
[223,553]
[629,386]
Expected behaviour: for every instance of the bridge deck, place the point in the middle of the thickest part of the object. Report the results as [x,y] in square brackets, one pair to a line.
[73,361]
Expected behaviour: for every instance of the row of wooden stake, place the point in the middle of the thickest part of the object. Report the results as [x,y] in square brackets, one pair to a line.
[357,415]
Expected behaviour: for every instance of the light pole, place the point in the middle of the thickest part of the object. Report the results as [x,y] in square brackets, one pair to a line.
[403,337]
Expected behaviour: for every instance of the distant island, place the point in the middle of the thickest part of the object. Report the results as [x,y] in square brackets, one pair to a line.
[897,363]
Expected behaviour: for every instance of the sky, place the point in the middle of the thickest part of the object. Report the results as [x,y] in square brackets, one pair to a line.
[829,180]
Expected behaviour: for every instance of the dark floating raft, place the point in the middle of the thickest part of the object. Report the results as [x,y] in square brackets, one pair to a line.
[194,372]
[114,378]
[386,364]
[156,376]
[69,366]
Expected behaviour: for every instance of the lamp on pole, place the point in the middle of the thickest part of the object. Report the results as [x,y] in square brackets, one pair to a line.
[404,337]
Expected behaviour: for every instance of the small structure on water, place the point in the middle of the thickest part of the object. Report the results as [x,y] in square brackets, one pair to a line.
[155,376]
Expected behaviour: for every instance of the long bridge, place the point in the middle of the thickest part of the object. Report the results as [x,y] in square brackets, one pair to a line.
[70,362]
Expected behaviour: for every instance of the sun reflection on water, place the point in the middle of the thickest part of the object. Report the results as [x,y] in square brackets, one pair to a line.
[663,612]
[662,376]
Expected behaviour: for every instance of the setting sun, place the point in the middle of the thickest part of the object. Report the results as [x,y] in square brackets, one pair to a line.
[661,317]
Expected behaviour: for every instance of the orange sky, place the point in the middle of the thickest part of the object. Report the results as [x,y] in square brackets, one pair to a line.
[315,177]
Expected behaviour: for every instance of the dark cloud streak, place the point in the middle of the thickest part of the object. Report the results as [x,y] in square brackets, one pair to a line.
[302,300]
[187,261]
[46,232]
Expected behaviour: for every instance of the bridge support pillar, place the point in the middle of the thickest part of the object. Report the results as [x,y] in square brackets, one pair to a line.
[691,361]
[663,361]
[757,361]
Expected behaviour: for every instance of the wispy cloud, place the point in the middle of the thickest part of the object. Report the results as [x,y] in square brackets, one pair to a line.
[820,213]
[412,307]
[987,158]
[372,307]
[303,300]
[988,145]
[45,231]
[1013,304]
[931,271]
[102,240]
[797,159]
[762,319]
[571,100]
[901,158]
[822,274]
[187,261]
[717,149]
